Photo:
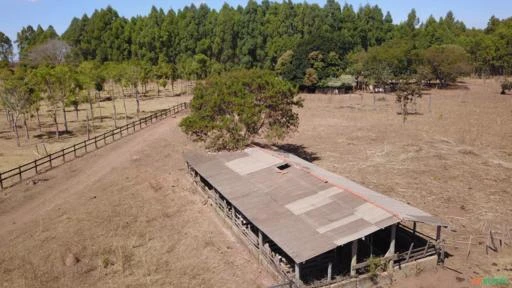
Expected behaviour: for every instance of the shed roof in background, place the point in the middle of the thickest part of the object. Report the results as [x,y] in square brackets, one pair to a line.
[303,208]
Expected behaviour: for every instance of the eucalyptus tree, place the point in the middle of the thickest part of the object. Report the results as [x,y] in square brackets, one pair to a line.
[29,37]
[6,50]
[257,34]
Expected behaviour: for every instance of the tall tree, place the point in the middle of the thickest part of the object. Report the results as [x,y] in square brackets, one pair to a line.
[251,43]
[29,37]
[224,44]
[446,63]
[6,51]
[228,111]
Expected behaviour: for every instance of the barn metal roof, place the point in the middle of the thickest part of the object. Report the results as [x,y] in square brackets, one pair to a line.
[304,209]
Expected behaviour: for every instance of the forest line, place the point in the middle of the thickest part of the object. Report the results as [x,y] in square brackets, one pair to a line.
[332,46]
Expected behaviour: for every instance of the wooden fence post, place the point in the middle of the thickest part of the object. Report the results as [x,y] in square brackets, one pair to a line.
[409,253]
[156,116]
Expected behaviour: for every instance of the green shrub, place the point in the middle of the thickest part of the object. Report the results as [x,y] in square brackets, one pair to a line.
[230,109]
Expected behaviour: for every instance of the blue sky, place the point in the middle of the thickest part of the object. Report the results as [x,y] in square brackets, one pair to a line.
[18,13]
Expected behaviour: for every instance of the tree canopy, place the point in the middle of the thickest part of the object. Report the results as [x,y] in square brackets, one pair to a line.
[6,51]
[304,43]
[257,35]
[229,111]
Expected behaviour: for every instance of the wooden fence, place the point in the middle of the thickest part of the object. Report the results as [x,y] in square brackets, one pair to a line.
[45,163]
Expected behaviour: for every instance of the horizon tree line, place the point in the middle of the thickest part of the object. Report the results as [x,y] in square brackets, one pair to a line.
[306,44]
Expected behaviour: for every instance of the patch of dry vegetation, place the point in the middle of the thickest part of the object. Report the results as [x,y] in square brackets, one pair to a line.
[455,162]
[33,148]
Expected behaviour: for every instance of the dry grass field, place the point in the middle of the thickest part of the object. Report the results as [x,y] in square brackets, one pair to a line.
[131,217]
[455,162]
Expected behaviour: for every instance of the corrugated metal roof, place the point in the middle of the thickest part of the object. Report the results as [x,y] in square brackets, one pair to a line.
[304,209]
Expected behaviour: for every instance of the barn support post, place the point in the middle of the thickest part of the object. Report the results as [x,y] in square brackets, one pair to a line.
[354,258]
[391,250]
[329,271]
[260,240]
[297,273]
[260,246]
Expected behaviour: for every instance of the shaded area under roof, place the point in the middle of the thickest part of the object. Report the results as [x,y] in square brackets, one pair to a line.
[303,208]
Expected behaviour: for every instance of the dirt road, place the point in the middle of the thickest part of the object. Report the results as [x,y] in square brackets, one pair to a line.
[128,215]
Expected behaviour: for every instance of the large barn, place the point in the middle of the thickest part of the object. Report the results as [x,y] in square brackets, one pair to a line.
[308,224]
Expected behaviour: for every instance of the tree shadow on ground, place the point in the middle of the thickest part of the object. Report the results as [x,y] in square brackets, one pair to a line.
[103,117]
[120,116]
[298,150]
[7,135]
[456,86]
[410,113]
[51,135]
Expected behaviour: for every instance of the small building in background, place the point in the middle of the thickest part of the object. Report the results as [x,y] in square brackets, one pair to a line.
[343,84]
[310,226]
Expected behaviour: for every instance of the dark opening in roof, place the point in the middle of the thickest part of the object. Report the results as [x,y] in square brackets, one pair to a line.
[283,166]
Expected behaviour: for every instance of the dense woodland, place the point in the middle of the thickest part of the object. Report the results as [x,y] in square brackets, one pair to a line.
[307,44]
[200,40]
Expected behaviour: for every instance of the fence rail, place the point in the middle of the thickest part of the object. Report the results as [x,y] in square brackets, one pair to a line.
[16,175]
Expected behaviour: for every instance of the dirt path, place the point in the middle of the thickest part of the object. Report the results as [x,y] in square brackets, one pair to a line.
[129,214]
